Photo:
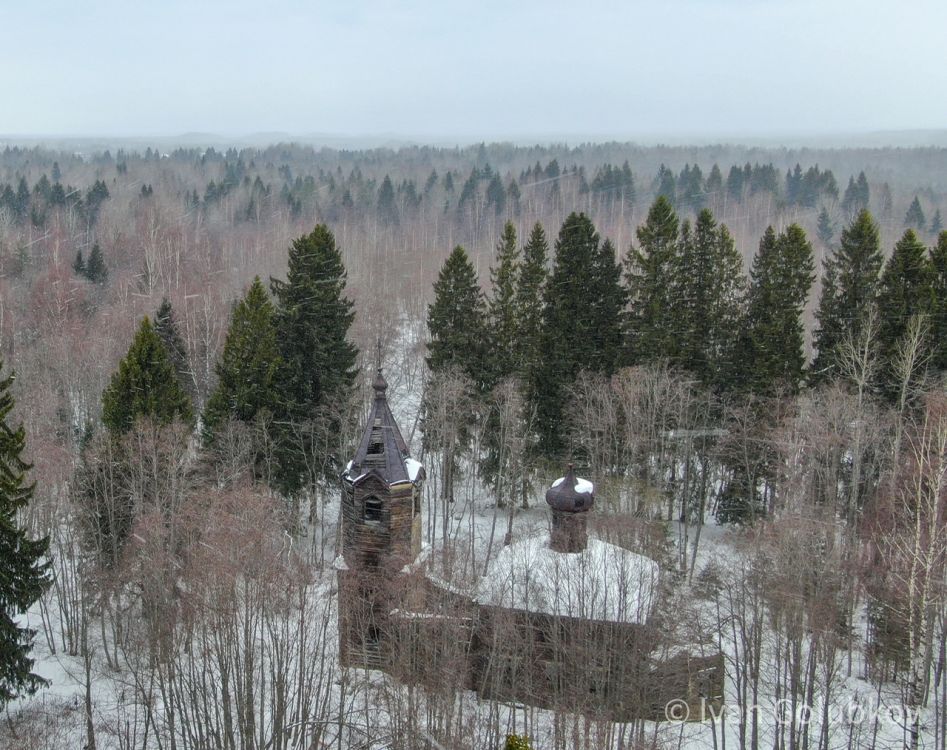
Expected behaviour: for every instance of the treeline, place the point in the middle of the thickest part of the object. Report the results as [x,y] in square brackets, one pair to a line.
[680,299]
[333,191]
[22,204]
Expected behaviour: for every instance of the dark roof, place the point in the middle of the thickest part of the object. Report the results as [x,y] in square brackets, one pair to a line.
[382,450]
[565,496]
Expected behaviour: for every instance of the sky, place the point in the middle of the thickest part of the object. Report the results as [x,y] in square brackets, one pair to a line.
[481,69]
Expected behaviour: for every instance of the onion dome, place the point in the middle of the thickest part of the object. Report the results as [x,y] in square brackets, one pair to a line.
[379,384]
[571,494]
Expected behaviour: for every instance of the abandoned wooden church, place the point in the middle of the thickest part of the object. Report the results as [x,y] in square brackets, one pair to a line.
[560,620]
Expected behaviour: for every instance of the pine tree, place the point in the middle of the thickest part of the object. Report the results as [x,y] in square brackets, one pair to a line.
[246,372]
[25,574]
[849,285]
[166,327]
[501,307]
[906,288]
[530,287]
[915,218]
[145,385]
[770,354]
[96,270]
[825,227]
[708,300]
[456,321]
[650,277]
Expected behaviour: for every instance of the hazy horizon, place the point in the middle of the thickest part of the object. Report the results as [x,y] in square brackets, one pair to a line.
[734,70]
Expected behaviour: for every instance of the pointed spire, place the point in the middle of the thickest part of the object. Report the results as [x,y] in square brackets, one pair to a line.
[382,449]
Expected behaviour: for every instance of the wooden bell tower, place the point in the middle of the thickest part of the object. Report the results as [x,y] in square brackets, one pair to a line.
[381,533]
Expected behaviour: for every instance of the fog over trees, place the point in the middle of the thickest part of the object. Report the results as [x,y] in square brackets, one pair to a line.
[744,349]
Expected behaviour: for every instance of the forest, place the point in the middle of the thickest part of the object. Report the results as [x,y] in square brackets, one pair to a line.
[744,348]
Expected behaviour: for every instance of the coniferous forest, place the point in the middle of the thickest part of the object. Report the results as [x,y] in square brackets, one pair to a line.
[744,348]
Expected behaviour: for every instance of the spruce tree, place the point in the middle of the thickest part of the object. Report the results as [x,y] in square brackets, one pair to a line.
[166,327]
[607,301]
[386,201]
[246,372]
[936,223]
[736,183]
[915,218]
[530,288]
[856,195]
[849,285]
[313,317]
[650,278]
[24,574]
[22,199]
[318,362]
[501,308]
[938,334]
[864,194]
[456,321]
[906,289]
[666,184]
[145,385]
[770,355]
[825,227]
[709,293]
[96,270]
[577,331]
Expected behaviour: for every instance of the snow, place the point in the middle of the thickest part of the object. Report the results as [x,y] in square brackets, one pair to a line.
[602,583]
[414,468]
[582,486]
[409,615]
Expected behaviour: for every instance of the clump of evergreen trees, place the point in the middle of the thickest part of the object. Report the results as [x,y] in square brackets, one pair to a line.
[93,269]
[681,297]
[286,363]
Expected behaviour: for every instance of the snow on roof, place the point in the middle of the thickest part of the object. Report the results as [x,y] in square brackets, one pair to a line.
[582,486]
[604,582]
[414,468]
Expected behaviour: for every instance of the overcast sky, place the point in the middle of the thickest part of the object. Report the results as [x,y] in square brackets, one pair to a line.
[472,70]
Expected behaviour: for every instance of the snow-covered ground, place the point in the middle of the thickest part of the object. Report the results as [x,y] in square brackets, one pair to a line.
[365,707]
[55,717]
